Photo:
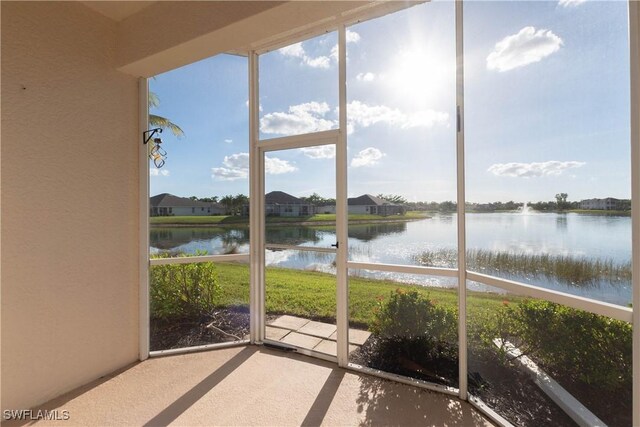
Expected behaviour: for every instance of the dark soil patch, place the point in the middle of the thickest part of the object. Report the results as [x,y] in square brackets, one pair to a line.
[387,355]
[613,407]
[512,393]
[506,389]
[230,324]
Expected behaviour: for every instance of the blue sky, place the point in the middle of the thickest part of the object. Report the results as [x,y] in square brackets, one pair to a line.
[546,92]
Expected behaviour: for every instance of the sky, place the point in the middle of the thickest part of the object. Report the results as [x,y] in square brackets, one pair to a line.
[546,107]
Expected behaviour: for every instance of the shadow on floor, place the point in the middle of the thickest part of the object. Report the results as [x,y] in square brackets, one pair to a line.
[383,402]
[177,408]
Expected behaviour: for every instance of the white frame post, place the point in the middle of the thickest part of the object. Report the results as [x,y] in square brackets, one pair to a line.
[634,65]
[143,221]
[256,217]
[342,235]
[462,245]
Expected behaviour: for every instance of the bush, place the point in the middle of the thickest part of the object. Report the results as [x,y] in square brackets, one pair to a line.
[587,347]
[415,322]
[180,290]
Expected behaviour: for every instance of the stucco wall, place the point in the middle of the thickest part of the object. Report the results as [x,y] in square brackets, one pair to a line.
[69,202]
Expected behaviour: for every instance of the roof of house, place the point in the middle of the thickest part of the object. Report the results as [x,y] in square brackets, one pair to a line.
[169,200]
[282,198]
[367,200]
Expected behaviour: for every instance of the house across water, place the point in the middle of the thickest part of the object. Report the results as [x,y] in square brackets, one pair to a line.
[608,204]
[166,204]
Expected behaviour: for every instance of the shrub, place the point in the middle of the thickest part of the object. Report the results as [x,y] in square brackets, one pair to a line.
[415,322]
[587,347]
[179,290]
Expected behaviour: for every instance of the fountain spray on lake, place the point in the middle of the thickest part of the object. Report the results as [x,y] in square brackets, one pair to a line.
[525,209]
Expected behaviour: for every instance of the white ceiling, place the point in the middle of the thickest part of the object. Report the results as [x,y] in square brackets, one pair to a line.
[117,10]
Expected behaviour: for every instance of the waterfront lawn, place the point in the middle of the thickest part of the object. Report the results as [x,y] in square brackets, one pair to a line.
[312,294]
[232,219]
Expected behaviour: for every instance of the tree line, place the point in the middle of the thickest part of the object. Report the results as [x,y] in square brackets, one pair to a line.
[234,204]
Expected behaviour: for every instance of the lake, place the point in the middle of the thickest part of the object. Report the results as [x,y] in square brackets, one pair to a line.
[594,237]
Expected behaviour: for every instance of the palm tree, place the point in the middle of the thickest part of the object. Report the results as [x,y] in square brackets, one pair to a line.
[228,203]
[159,121]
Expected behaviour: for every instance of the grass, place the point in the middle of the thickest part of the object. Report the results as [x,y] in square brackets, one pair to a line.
[575,271]
[313,294]
[599,212]
[243,220]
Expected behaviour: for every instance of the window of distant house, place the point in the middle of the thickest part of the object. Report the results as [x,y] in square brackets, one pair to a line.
[193,210]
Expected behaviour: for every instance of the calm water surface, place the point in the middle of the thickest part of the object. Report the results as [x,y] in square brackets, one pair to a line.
[575,235]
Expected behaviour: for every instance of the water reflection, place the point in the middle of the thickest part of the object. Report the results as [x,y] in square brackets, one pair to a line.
[292,235]
[588,237]
[561,223]
[187,239]
[369,232]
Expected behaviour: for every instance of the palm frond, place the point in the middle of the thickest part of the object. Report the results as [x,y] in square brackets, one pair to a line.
[164,123]
[154,101]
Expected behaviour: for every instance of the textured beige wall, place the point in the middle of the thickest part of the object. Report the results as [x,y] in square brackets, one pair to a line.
[69,202]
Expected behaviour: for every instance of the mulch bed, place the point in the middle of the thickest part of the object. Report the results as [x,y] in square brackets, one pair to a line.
[507,390]
[188,332]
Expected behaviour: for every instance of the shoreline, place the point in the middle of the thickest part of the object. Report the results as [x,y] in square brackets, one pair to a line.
[284,223]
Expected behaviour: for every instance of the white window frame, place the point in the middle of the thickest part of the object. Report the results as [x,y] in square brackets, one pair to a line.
[257,222]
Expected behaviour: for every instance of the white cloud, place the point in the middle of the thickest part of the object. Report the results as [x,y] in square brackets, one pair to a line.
[363,115]
[570,3]
[526,47]
[321,152]
[275,166]
[236,166]
[312,117]
[352,37]
[228,141]
[533,170]
[159,172]
[367,157]
[366,77]
[297,51]
[302,118]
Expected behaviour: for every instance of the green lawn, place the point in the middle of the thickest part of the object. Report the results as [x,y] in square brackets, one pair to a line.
[599,212]
[313,294]
[239,220]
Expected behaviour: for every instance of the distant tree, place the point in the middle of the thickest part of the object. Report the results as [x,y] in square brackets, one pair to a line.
[239,201]
[393,198]
[315,199]
[561,200]
[227,202]
[447,206]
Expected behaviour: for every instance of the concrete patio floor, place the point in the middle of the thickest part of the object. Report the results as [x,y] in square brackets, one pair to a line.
[311,335]
[253,386]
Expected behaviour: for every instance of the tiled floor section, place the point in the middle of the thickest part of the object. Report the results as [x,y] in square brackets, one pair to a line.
[252,386]
[311,335]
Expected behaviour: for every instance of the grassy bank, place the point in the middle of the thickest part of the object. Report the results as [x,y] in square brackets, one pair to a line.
[222,220]
[313,294]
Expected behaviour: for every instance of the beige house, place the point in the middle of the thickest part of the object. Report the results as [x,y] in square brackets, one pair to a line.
[606,204]
[169,205]
[367,205]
